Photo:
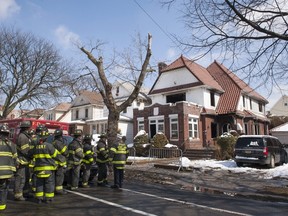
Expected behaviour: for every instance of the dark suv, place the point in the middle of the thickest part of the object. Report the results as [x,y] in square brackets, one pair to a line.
[259,149]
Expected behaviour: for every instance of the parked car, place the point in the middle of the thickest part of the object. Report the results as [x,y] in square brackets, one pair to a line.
[259,149]
[67,140]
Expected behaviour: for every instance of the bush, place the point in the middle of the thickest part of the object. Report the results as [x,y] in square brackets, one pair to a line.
[159,140]
[226,143]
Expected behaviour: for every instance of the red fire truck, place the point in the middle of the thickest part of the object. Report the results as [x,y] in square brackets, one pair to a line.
[14,124]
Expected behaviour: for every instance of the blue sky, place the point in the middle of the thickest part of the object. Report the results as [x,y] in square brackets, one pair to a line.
[113,21]
[63,22]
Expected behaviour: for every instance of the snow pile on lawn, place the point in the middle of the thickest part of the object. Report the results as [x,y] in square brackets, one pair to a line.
[264,172]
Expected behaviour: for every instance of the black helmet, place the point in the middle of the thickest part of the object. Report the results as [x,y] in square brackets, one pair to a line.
[87,137]
[40,128]
[4,129]
[102,136]
[43,135]
[77,133]
[58,133]
[25,124]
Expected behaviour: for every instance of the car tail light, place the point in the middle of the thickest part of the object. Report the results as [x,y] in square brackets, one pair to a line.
[265,151]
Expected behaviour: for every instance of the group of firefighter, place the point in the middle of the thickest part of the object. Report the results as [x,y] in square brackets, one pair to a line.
[39,167]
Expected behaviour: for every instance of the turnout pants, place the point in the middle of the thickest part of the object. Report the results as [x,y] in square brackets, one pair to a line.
[4,186]
[86,173]
[45,186]
[59,178]
[22,185]
[74,176]
[102,173]
[118,176]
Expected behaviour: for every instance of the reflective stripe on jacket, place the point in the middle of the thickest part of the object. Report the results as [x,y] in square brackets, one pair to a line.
[118,155]
[75,151]
[88,153]
[45,156]
[102,152]
[8,157]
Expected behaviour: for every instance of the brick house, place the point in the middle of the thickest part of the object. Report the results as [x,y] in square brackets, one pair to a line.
[192,105]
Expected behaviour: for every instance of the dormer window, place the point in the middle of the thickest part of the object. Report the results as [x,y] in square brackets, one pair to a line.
[117,91]
[175,98]
[212,99]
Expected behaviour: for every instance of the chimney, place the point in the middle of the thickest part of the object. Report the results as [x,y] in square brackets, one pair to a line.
[161,66]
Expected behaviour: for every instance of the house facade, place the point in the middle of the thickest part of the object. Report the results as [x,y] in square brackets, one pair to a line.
[60,112]
[280,108]
[89,113]
[193,105]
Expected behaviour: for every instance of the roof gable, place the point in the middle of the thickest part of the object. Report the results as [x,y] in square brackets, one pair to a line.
[233,87]
[88,98]
[193,74]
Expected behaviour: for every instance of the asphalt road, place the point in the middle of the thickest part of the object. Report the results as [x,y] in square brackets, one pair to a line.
[139,198]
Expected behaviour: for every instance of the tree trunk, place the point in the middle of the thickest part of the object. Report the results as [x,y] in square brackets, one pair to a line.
[113,119]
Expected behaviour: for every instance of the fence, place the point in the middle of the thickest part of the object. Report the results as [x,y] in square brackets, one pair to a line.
[161,156]
[166,156]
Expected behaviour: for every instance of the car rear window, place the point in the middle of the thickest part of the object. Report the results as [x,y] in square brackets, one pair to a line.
[251,142]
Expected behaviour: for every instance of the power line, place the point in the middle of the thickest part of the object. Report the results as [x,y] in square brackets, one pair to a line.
[158,25]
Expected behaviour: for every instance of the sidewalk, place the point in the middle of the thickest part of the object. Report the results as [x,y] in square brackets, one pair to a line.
[211,181]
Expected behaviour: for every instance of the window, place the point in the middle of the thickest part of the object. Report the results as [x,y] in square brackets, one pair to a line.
[250,103]
[260,107]
[161,125]
[212,99]
[77,114]
[174,128]
[256,129]
[175,98]
[86,113]
[156,126]
[193,127]
[141,124]
[243,97]
[117,91]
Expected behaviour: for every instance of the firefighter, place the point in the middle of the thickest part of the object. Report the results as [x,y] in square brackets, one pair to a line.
[35,137]
[87,160]
[102,160]
[75,157]
[22,175]
[8,163]
[118,156]
[44,170]
[59,144]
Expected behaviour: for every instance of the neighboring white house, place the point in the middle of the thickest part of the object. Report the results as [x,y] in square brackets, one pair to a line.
[89,113]
[280,108]
[281,132]
[61,112]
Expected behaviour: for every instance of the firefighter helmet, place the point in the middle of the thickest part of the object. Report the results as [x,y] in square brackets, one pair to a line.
[77,133]
[58,133]
[25,124]
[41,128]
[87,137]
[102,136]
[4,129]
[43,135]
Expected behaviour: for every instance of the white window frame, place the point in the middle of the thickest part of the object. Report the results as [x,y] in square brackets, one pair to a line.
[140,124]
[159,121]
[174,121]
[194,122]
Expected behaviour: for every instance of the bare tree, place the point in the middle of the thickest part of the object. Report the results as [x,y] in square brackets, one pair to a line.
[251,34]
[31,70]
[101,79]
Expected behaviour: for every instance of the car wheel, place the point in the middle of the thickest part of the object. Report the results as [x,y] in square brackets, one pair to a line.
[239,164]
[285,158]
[272,162]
